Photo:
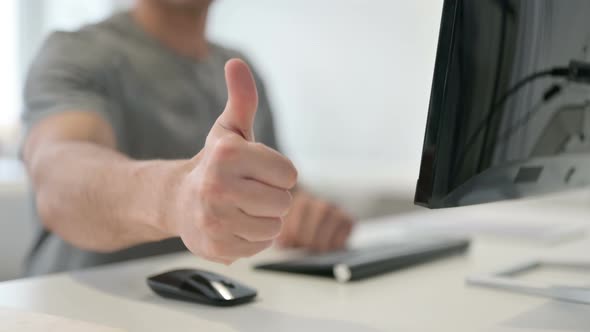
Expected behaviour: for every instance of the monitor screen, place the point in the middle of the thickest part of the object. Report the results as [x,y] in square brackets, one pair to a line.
[509,111]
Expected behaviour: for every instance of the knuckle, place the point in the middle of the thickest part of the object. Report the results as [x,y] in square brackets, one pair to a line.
[260,146]
[291,174]
[284,202]
[217,249]
[275,228]
[227,148]
[207,251]
[272,229]
[212,226]
[212,190]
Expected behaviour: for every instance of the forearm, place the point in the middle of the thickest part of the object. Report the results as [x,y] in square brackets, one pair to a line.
[100,200]
[225,203]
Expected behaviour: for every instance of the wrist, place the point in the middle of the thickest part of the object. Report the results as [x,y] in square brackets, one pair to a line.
[172,197]
[155,200]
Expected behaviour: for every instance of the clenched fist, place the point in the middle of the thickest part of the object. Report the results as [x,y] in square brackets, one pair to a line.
[231,201]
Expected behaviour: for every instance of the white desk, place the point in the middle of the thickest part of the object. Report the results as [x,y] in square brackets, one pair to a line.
[16,226]
[430,297]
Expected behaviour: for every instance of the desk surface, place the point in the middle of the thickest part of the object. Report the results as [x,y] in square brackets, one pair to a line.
[431,297]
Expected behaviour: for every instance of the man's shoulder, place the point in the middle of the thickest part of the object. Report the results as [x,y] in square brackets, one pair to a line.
[92,43]
[93,35]
[119,26]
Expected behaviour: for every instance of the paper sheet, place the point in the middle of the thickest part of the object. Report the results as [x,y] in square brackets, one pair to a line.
[554,316]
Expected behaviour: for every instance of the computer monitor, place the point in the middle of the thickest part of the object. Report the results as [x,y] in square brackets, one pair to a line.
[509,111]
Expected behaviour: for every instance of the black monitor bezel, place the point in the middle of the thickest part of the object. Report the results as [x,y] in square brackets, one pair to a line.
[429,190]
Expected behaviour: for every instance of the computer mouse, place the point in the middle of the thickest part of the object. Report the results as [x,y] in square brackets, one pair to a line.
[201,287]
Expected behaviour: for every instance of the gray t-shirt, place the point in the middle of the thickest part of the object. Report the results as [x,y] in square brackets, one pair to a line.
[161,106]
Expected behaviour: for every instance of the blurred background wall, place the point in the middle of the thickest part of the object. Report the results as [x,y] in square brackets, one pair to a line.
[349,81]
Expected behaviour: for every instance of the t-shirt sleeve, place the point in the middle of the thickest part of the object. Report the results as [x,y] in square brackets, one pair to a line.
[66,76]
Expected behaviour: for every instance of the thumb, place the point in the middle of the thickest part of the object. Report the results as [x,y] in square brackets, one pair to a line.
[242,101]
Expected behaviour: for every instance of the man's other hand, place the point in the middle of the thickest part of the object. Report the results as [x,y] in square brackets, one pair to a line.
[315,224]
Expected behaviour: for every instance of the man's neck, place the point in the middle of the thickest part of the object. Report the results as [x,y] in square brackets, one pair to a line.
[180,29]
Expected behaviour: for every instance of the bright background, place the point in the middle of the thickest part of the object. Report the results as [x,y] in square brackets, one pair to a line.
[349,81]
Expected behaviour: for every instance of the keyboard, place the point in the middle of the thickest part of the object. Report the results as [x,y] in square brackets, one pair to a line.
[361,263]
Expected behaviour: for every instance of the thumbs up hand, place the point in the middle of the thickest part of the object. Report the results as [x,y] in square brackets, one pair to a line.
[233,195]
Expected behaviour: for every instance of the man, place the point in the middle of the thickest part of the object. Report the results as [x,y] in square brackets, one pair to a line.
[133,142]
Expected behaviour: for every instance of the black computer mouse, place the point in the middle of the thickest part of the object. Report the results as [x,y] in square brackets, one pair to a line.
[201,287]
